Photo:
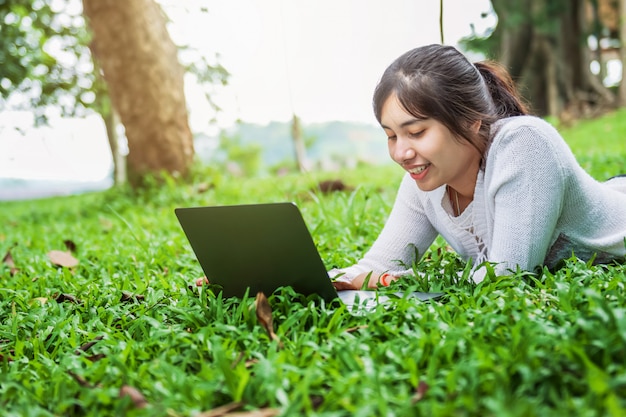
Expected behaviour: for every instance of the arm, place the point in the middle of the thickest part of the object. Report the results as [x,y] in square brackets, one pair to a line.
[525,186]
[406,231]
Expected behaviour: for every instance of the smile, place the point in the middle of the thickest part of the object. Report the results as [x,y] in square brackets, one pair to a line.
[419,169]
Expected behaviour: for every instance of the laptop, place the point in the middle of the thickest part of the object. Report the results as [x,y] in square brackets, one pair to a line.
[262,247]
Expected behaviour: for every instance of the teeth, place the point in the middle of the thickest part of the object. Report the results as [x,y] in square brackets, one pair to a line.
[418,169]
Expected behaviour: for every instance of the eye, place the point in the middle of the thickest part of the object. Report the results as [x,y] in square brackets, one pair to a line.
[392,137]
[417,134]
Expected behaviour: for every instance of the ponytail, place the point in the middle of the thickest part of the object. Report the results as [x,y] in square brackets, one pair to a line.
[504,94]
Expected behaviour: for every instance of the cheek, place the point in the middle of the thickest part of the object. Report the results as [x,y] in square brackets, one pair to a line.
[391,148]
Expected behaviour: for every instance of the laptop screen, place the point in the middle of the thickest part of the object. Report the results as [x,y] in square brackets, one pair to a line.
[259,247]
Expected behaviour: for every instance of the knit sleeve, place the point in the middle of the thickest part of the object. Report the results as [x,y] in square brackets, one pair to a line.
[525,186]
[407,232]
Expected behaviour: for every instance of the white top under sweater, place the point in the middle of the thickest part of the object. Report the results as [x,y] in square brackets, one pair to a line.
[533,205]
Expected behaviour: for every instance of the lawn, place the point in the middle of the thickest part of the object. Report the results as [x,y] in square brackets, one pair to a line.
[127,332]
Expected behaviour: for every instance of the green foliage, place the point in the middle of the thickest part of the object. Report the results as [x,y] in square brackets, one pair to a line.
[45,58]
[46,61]
[519,345]
[599,144]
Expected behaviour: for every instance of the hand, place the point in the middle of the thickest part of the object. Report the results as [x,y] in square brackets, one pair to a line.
[201,281]
[375,280]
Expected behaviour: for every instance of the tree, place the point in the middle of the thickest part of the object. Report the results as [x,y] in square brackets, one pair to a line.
[140,65]
[47,62]
[544,44]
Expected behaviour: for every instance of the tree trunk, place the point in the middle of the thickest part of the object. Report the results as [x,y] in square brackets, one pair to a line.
[140,64]
[111,121]
[543,44]
[298,143]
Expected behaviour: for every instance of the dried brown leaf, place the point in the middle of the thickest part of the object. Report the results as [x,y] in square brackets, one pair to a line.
[135,395]
[128,297]
[70,245]
[64,259]
[96,357]
[221,410]
[355,328]
[88,345]
[264,314]
[204,187]
[420,392]
[40,300]
[8,260]
[261,412]
[67,297]
[81,381]
[329,186]
[228,411]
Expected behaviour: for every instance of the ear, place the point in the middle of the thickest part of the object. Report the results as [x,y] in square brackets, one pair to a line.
[475,127]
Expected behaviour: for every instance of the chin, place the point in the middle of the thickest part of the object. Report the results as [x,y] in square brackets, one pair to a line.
[426,186]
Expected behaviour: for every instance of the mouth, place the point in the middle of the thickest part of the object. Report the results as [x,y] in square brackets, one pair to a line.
[418,170]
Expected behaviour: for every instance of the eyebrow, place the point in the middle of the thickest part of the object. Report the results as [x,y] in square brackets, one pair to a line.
[406,123]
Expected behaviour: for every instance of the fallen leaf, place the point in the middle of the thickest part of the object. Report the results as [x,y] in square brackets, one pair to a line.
[81,381]
[420,392]
[8,260]
[70,245]
[96,357]
[221,410]
[355,328]
[64,259]
[225,411]
[136,397]
[41,300]
[264,314]
[86,346]
[67,297]
[330,186]
[127,297]
[204,187]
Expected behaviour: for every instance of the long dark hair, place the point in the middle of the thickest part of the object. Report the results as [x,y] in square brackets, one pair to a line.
[438,82]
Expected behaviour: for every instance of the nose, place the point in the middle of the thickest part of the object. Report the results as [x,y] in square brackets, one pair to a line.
[402,151]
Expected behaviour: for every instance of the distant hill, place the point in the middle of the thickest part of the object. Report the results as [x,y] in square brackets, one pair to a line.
[26,189]
[328,144]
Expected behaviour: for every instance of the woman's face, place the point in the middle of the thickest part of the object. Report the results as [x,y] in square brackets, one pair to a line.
[428,150]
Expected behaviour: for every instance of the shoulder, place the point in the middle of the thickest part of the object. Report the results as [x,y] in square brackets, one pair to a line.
[527,148]
[527,128]
[525,135]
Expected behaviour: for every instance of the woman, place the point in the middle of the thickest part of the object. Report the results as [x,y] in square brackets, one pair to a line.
[497,184]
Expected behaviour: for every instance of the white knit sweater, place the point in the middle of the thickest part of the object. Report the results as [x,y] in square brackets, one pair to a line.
[533,205]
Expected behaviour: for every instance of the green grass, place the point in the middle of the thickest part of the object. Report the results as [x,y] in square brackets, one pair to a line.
[551,345]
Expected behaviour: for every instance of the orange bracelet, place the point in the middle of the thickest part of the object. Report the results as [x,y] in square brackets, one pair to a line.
[383,279]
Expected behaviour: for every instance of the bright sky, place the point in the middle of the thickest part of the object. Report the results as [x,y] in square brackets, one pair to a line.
[318,58]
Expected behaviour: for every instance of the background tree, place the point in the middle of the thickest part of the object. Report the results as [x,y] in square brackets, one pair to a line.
[544,44]
[47,66]
[140,65]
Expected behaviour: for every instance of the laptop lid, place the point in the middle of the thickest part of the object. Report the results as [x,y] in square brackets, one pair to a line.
[257,246]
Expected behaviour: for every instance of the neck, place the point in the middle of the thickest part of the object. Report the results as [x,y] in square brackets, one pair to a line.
[458,201]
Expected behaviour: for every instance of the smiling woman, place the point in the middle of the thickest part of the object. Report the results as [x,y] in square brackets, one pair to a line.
[499,185]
